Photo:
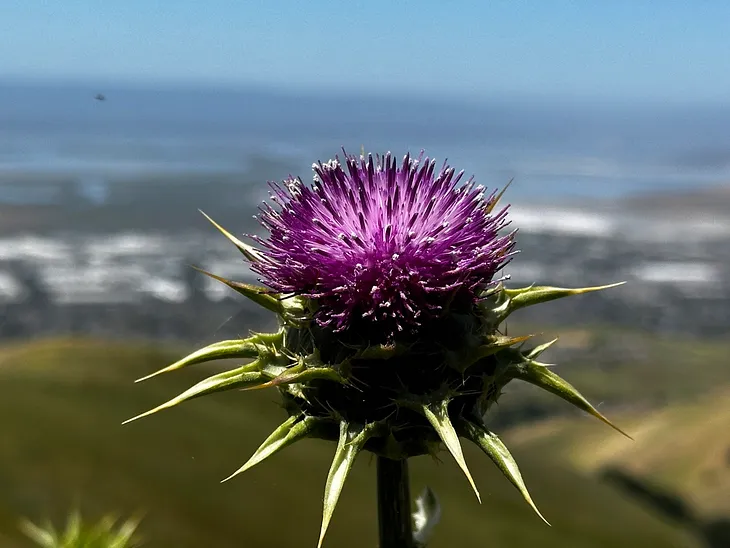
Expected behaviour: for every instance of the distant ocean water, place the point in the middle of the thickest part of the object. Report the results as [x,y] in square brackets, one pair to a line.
[553,150]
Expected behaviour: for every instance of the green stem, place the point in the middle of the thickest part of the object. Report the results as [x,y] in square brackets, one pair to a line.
[394,504]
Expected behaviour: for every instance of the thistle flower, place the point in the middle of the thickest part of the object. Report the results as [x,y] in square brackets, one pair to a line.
[383,277]
[382,247]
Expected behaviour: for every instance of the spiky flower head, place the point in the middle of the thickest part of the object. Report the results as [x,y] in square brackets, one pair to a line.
[382,247]
[383,278]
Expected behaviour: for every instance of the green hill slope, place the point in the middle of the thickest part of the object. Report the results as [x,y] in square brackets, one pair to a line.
[62,444]
[683,448]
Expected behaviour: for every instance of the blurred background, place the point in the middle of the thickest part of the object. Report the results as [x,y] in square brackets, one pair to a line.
[119,120]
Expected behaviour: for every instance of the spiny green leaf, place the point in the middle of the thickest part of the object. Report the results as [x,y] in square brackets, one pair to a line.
[125,533]
[242,377]
[352,440]
[535,352]
[500,455]
[251,253]
[274,338]
[464,359]
[42,536]
[73,528]
[438,415]
[291,431]
[243,348]
[302,374]
[541,376]
[259,295]
[500,342]
[497,342]
[528,296]
[491,205]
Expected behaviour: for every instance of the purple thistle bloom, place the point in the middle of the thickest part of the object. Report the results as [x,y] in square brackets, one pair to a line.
[383,244]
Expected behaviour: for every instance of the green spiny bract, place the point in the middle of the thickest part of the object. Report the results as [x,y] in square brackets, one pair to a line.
[398,400]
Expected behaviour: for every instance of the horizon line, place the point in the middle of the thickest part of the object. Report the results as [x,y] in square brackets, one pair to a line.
[307,90]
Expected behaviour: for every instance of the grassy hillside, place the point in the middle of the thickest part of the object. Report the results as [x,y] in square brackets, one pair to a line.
[62,445]
[684,449]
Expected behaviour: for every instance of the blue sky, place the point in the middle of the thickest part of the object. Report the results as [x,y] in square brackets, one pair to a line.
[614,49]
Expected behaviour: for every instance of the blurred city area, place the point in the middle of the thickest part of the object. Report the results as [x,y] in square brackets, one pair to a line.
[122,281]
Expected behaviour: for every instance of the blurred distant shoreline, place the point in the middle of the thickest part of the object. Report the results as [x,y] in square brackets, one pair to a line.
[54,133]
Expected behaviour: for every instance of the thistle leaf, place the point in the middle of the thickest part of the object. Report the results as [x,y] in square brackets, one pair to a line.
[302,374]
[291,431]
[500,455]
[500,342]
[426,517]
[535,352]
[528,296]
[243,348]
[45,537]
[251,253]
[463,360]
[73,528]
[245,376]
[352,440]
[438,416]
[493,203]
[541,376]
[260,295]
[273,338]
